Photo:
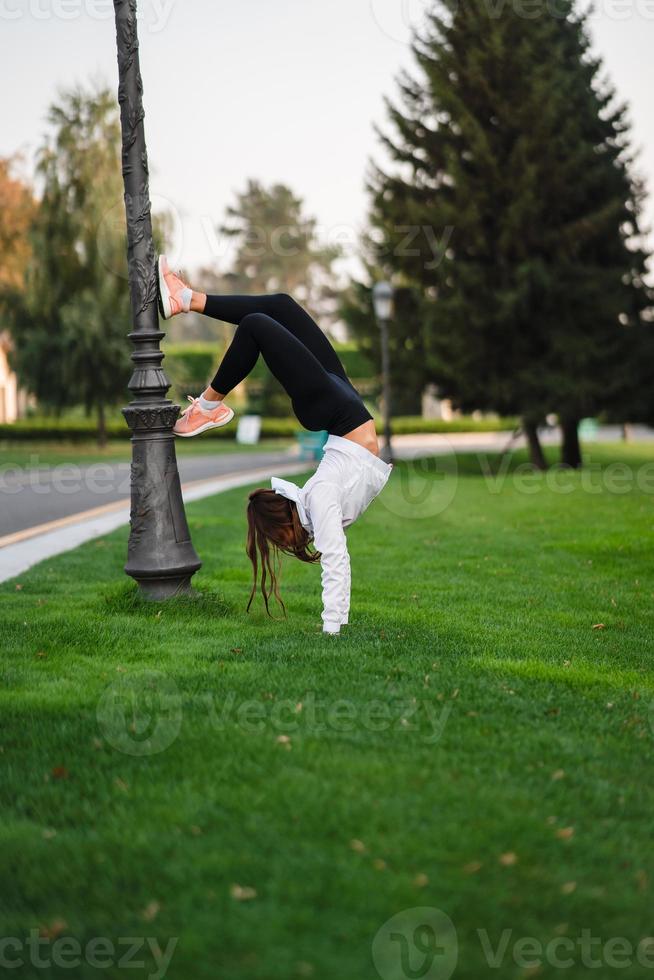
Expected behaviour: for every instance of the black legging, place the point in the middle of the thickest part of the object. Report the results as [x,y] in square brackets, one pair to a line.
[298,354]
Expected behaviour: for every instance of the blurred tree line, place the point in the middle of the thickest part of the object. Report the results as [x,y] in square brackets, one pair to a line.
[508,218]
[63,285]
[68,315]
[509,221]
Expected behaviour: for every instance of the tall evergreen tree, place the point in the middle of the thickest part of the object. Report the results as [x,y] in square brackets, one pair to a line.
[511,154]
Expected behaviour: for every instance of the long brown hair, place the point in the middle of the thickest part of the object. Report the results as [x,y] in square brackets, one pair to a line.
[274,528]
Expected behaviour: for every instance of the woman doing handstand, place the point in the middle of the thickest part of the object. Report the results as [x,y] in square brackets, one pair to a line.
[287,518]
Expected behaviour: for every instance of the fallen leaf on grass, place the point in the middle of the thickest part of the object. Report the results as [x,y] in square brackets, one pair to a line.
[568,887]
[558,774]
[242,893]
[508,859]
[599,626]
[54,929]
[472,867]
[284,740]
[60,772]
[379,864]
[18,587]
[421,880]
[642,880]
[151,911]
[565,833]
[358,846]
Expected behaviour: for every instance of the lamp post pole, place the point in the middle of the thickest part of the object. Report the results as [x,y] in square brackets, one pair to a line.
[383,304]
[386,389]
[160,554]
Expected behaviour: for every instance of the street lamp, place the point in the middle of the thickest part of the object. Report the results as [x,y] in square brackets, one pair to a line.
[382,299]
[160,554]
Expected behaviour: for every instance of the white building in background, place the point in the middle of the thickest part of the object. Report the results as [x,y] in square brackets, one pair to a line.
[12,399]
[434,407]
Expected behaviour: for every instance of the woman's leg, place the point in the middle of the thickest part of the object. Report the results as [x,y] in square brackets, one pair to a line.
[296,367]
[283,309]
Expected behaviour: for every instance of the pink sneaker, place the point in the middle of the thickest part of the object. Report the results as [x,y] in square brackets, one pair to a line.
[174,294]
[195,420]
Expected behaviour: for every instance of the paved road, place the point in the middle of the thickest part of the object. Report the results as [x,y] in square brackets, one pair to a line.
[29,497]
[34,496]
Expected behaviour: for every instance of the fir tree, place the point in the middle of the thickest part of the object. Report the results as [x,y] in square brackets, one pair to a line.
[510,152]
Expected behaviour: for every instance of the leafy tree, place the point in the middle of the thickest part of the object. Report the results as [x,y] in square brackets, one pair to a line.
[71,321]
[16,214]
[512,215]
[276,249]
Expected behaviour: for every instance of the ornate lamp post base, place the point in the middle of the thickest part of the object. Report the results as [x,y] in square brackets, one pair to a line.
[159,589]
[160,554]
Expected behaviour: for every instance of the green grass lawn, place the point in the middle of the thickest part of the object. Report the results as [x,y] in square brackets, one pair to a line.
[478,741]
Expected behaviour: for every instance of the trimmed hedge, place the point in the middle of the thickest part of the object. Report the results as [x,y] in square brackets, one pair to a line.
[47,430]
[413,424]
[43,429]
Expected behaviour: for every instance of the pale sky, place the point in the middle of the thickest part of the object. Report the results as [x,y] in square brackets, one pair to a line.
[279,90]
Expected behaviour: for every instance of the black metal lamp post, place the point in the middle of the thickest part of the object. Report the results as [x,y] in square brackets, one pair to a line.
[160,554]
[382,298]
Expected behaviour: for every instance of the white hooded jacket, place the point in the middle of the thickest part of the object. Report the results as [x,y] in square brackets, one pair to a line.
[347,479]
